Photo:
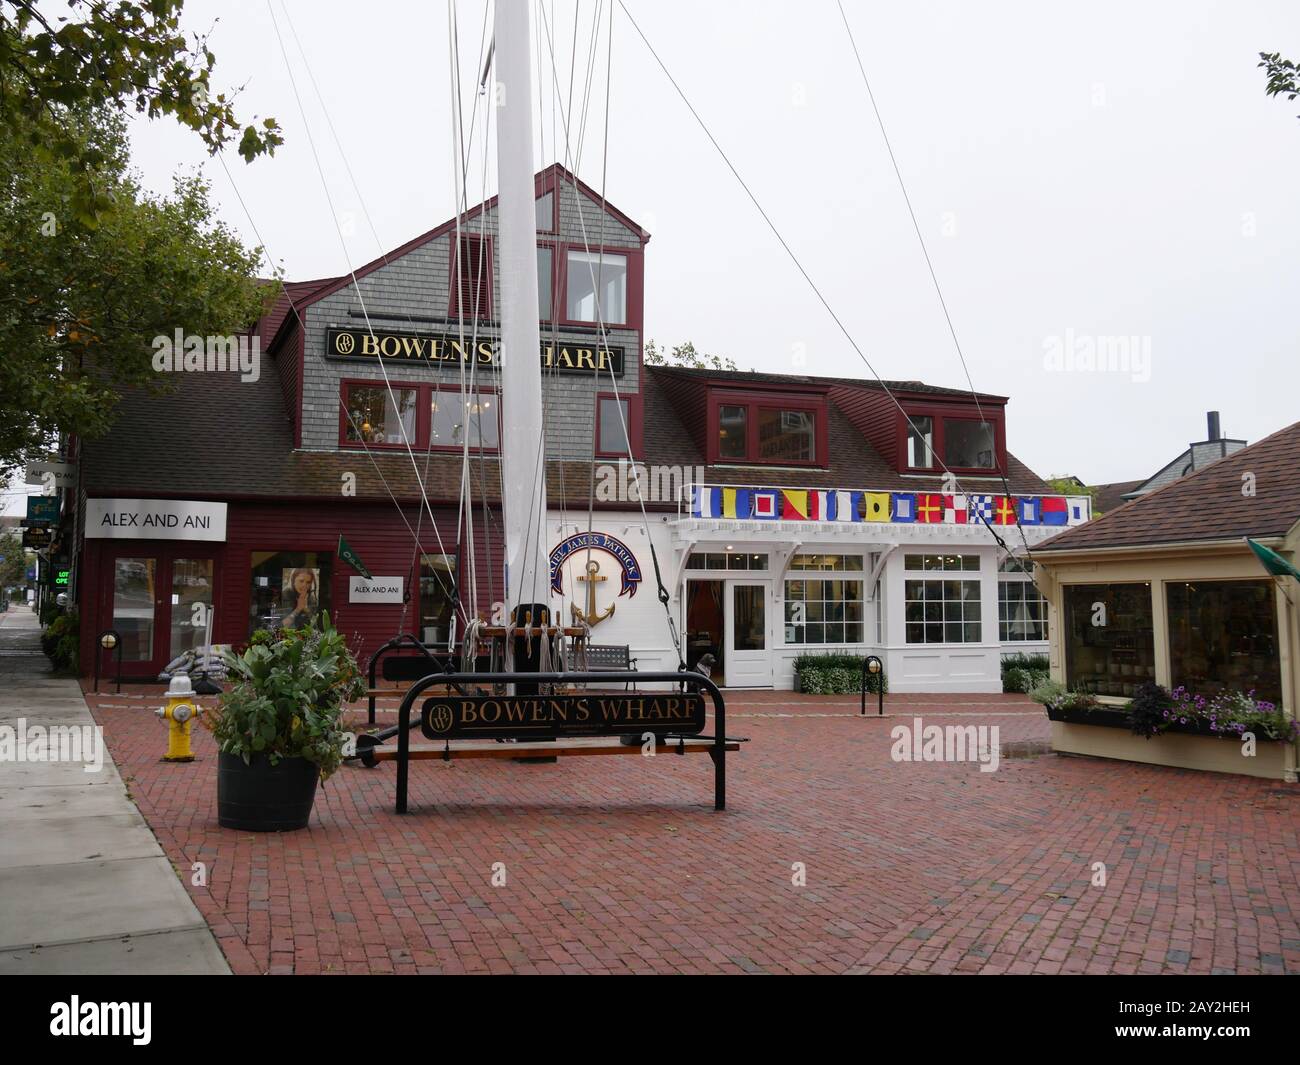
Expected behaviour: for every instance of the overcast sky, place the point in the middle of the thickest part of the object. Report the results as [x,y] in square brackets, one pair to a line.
[1080,171]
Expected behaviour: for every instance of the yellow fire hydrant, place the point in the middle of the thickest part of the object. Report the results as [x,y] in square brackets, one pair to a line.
[179,713]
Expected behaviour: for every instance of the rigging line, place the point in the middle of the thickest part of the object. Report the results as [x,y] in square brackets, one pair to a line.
[370,222]
[795,259]
[294,307]
[355,285]
[466,502]
[664,596]
[920,239]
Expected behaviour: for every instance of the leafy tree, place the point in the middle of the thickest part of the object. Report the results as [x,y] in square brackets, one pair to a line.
[80,303]
[1072,486]
[685,355]
[122,55]
[13,568]
[1283,75]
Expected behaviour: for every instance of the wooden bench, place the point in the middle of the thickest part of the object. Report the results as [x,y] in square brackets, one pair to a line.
[536,725]
[607,658]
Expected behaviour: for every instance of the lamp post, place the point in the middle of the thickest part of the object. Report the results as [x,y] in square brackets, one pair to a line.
[110,640]
[874,667]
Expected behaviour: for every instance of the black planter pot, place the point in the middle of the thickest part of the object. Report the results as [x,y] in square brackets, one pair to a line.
[260,797]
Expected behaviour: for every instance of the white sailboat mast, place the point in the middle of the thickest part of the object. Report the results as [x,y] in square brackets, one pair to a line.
[524,466]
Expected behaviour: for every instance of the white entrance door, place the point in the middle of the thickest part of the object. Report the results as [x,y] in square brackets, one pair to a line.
[748,659]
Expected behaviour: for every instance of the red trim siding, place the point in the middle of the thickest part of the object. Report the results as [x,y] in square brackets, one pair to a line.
[375,531]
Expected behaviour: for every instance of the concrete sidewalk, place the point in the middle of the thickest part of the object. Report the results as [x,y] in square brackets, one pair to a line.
[84,885]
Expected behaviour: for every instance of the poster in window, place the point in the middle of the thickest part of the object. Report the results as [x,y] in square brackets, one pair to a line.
[300,597]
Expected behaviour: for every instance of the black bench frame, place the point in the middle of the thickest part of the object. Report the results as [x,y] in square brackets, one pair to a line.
[601,650]
[432,664]
[717,751]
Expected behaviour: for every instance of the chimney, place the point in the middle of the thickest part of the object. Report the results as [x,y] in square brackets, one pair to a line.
[1212,425]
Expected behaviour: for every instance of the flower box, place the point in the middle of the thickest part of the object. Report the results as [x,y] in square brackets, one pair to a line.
[1115,717]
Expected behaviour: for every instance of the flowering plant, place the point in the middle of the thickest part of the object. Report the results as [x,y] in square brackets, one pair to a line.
[1231,713]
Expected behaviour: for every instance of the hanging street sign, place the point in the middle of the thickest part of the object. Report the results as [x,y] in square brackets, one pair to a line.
[42,510]
[52,474]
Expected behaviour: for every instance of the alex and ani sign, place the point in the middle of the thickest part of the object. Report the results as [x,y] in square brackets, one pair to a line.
[155,519]
[428,347]
[376,589]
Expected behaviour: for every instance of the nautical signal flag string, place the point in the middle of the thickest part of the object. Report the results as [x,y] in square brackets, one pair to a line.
[920,508]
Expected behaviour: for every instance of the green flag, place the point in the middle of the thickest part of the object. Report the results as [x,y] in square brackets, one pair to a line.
[1272,561]
[350,557]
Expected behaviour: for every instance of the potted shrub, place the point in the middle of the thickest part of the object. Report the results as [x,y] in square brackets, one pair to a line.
[280,726]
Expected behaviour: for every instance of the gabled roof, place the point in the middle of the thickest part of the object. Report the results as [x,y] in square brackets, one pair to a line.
[740,377]
[853,462]
[1110,496]
[1208,504]
[542,180]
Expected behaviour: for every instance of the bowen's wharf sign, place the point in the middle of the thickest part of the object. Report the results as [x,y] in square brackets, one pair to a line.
[362,344]
[450,717]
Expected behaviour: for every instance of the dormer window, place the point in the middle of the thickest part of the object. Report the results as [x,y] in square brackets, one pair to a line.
[920,442]
[767,429]
[969,444]
[950,439]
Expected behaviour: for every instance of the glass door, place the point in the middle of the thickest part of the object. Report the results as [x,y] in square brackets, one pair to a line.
[135,603]
[749,664]
[160,603]
[191,604]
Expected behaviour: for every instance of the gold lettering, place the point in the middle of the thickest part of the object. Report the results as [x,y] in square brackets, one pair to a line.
[584,711]
[514,711]
[566,359]
[468,714]
[548,355]
[369,344]
[485,353]
[413,347]
[390,347]
[559,712]
[494,707]
[585,360]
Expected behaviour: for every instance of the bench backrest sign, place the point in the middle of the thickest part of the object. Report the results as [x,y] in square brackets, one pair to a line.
[525,717]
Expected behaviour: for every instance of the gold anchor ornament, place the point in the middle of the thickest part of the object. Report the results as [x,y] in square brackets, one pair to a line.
[592,578]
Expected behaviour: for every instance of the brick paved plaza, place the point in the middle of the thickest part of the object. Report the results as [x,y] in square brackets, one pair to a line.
[620,865]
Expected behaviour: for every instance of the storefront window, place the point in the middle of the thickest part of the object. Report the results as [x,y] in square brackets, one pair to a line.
[1109,641]
[818,610]
[437,589]
[378,416]
[290,589]
[1223,635]
[727,560]
[942,610]
[1022,610]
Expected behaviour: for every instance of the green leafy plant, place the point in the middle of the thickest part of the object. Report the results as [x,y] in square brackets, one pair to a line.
[1056,696]
[61,640]
[836,674]
[1024,673]
[286,697]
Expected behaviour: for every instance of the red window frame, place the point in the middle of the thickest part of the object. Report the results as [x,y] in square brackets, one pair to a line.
[457,285]
[757,401]
[940,416]
[633,401]
[421,413]
[548,310]
[632,309]
[551,190]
